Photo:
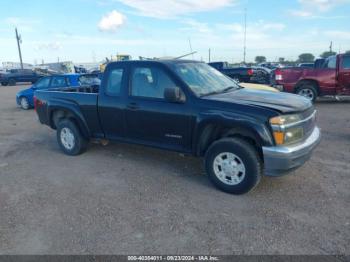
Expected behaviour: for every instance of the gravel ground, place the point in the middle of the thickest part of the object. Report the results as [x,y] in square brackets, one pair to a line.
[124,199]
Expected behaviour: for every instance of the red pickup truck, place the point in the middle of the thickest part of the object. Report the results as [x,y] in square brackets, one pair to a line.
[331,78]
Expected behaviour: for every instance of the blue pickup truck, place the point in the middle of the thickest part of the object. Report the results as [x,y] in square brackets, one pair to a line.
[14,76]
[189,107]
[25,99]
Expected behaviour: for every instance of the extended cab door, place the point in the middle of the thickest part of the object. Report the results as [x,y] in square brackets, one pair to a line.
[326,76]
[149,118]
[344,74]
[111,101]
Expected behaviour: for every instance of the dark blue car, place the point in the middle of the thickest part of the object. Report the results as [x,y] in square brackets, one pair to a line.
[24,98]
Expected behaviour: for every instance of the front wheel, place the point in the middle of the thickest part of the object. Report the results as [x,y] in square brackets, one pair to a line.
[233,165]
[24,103]
[70,139]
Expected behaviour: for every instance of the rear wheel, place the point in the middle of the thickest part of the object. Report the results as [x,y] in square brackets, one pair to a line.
[4,83]
[233,165]
[24,103]
[307,90]
[70,139]
[12,82]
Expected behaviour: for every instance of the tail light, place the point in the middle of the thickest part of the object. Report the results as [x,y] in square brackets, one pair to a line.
[37,103]
[34,100]
[250,72]
[278,75]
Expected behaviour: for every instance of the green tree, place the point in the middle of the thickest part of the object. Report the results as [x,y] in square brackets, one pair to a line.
[260,59]
[281,59]
[347,52]
[326,54]
[306,58]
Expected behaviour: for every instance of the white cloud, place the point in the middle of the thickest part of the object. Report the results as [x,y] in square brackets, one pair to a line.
[338,35]
[300,13]
[112,21]
[273,26]
[321,5]
[23,24]
[51,46]
[174,8]
[311,8]
[195,26]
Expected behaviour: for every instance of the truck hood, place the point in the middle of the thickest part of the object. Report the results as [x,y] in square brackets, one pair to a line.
[282,102]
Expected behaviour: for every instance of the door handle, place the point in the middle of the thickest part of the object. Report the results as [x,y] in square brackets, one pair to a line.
[133,106]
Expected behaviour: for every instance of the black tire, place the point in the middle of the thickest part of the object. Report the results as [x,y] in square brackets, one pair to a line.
[80,143]
[309,89]
[245,153]
[4,83]
[12,82]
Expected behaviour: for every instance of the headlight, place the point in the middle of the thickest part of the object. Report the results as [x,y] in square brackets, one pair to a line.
[284,130]
[285,120]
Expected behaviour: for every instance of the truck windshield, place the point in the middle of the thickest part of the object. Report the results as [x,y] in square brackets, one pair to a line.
[203,79]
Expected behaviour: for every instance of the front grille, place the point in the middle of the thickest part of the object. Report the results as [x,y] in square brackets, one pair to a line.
[310,124]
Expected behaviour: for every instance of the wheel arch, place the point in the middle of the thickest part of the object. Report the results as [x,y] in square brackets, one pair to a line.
[57,113]
[314,82]
[212,132]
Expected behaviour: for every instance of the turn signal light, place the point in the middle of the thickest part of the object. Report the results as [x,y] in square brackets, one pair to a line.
[279,137]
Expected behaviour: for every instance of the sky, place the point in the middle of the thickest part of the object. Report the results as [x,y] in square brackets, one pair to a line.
[90,30]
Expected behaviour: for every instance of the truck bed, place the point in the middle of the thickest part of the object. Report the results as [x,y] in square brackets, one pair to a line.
[83,99]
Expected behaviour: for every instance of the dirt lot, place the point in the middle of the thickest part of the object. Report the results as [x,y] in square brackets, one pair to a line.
[124,199]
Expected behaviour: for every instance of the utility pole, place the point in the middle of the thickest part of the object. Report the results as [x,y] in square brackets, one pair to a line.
[19,41]
[245,35]
[209,54]
[331,47]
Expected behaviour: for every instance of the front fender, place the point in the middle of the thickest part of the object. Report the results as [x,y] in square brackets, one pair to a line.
[216,124]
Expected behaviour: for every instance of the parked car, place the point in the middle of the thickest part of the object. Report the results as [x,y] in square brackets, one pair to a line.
[271,66]
[332,78]
[25,100]
[19,75]
[306,65]
[188,107]
[262,75]
[240,74]
[2,73]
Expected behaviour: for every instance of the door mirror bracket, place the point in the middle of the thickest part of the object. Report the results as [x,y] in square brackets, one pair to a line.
[174,95]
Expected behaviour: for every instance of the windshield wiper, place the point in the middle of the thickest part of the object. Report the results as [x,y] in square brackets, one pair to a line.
[210,93]
[229,88]
[221,91]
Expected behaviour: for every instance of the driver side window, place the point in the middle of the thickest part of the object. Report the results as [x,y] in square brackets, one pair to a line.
[43,83]
[150,82]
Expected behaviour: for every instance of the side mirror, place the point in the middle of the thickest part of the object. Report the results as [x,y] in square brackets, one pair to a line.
[174,95]
[34,87]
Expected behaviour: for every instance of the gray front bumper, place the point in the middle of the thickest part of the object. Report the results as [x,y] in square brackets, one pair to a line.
[280,160]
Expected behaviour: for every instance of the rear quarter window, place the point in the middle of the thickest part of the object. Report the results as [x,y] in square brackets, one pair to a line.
[114,82]
[346,62]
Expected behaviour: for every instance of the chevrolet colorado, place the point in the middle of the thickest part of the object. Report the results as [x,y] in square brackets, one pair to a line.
[188,107]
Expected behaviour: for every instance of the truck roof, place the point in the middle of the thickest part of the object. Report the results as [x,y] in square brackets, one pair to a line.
[165,61]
